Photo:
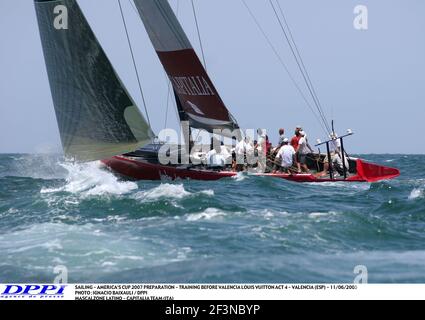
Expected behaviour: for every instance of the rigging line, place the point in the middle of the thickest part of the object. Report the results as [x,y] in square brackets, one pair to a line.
[175,109]
[283,64]
[303,71]
[199,34]
[168,106]
[172,91]
[169,98]
[133,6]
[300,57]
[169,83]
[134,64]
[197,136]
[299,66]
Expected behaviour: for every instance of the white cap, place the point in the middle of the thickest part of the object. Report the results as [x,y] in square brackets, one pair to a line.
[302,133]
[286,140]
[298,127]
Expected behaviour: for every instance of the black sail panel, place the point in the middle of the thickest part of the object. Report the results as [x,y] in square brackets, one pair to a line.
[96,116]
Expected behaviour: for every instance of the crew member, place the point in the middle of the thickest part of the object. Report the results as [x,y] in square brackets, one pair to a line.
[281,136]
[304,149]
[219,156]
[286,155]
[295,142]
[336,158]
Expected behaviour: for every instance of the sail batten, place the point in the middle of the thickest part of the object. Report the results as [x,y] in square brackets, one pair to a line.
[196,94]
[97,117]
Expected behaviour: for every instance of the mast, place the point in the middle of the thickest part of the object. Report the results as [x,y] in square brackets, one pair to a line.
[184,121]
[198,101]
[97,117]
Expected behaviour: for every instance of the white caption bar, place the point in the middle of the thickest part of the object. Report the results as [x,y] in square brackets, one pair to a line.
[217,292]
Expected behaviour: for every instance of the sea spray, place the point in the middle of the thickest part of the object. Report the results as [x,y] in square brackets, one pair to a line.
[90,179]
[416,194]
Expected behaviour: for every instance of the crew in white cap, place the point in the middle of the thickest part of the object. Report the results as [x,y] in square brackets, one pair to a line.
[286,155]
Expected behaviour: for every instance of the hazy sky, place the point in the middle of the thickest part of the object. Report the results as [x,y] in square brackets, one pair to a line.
[372,81]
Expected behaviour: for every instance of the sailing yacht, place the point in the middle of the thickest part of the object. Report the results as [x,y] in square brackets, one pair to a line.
[99,120]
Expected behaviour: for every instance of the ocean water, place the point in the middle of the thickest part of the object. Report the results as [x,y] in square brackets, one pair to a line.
[238,230]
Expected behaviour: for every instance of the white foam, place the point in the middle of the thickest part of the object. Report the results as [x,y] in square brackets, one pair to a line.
[108,264]
[268,214]
[169,191]
[416,194]
[91,180]
[240,176]
[321,214]
[164,190]
[110,219]
[71,202]
[129,257]
[208,214]
[360,186]
[182,253]
[12,211]
[209,193]
[71,218]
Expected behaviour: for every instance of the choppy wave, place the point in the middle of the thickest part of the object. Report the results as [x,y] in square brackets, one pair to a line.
[91,179]
[169,191]
[316,215]
[208,214]
[245,229]
[354,186]
[240,177]
[417,193]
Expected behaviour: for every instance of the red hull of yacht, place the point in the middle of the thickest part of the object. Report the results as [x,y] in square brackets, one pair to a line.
[140,170]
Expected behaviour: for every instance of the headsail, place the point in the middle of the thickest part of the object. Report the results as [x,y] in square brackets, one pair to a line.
[97,118]
[196,93]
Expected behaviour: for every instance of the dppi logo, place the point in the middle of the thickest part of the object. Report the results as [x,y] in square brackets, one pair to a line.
[33,291]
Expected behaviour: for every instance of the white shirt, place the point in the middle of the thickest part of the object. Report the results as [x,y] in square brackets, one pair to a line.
[219,159]
[240,148]
[304,147]
[337,160]
[215,159]
[286,153]
[335,145]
